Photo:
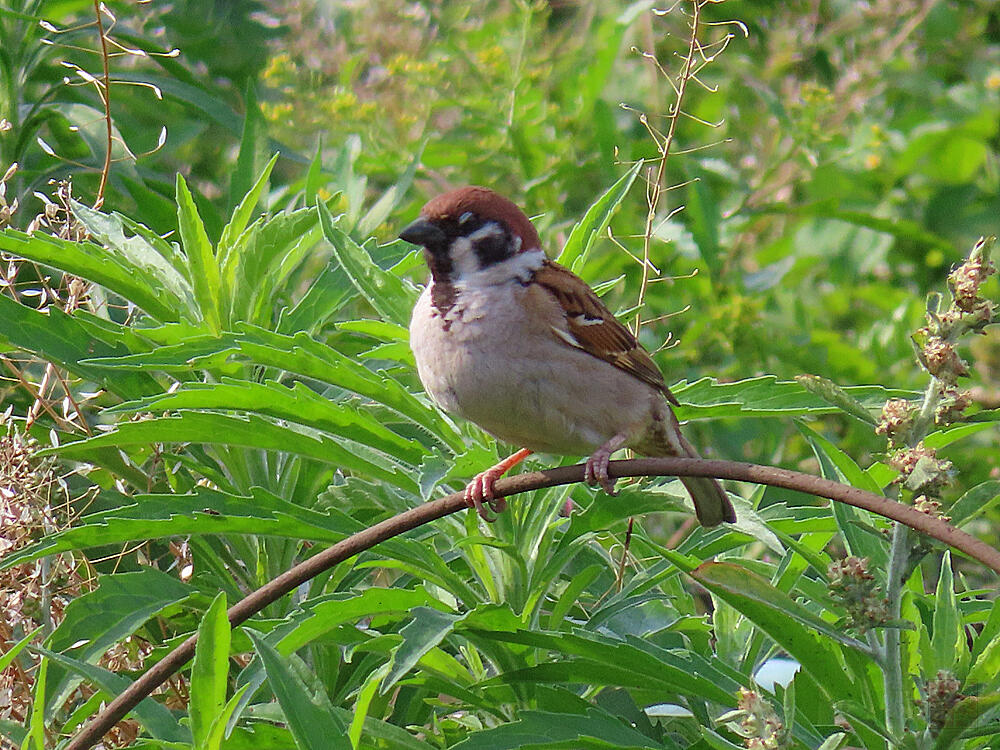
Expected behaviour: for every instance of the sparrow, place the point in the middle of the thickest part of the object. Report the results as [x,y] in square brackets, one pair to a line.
[521,346]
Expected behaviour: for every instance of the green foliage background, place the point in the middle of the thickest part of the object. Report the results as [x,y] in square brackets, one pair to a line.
[240,362]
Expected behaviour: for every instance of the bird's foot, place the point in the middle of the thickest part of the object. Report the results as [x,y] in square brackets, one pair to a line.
[479,492]
[596,469]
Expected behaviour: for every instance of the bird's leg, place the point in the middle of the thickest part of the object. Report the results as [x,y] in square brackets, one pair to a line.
[596,471]
[481,487]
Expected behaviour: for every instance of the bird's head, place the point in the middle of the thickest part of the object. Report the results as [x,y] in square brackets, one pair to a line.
[468,230]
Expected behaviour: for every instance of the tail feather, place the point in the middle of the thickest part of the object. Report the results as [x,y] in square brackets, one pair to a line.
[711,503]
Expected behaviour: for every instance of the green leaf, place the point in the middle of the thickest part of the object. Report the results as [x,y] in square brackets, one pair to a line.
[786,621]
[855,524]
[314,175]
[11,653]
[596,659]
[320,615]
[767,396]
[594,223]
[67,340]
[427,629]
[313,723]
[703,217]
[263,259]
[306,357]
[251,146]
[363,702]
[835,395]
[203,511]
[537,729]
[327,295]
[975,502]
[298,405]
[948,636]
[946,437]
[904,229]
[201,259]
[155,717]
[209,672]
[299,354]
[242,213]
[392,297]
[963,717]
[248,431]
[89,261]
[95,621]
[154,261]
[389,200]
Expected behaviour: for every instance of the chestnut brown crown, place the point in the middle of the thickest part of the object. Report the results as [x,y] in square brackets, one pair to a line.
[488,206]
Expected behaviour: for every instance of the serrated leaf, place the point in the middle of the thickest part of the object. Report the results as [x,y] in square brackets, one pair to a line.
[95,621]
[248,431]
[305,356]
[264,259]
[768,396]
[151,257]
[611,661]
[537,729]
[392,297]
[425,631]
[68,340]
[154,717]
[242,213]
[92,262]
[201,512]
[200,256]
[854,523]
[297,404]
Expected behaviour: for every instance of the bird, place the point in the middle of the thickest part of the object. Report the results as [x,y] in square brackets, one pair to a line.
[521,346]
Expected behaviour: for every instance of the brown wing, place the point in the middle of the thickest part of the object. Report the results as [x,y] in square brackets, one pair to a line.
[591,327]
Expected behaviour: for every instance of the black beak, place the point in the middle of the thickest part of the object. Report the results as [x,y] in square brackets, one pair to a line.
[423,232]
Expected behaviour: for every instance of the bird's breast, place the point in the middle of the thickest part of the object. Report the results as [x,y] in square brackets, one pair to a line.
[488,360]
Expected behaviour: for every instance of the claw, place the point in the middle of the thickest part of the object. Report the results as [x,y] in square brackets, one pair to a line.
[479,492]
[596,469]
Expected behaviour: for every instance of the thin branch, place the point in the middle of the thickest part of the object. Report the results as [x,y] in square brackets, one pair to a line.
[105,95]
[427,512]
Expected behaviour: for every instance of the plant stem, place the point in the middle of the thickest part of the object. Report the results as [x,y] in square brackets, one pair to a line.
[892,664]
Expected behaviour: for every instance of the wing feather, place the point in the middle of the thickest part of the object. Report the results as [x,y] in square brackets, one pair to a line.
[590,326]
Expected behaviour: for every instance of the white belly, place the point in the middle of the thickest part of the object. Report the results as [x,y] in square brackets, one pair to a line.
[513,377]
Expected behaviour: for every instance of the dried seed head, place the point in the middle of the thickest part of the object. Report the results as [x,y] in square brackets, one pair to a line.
[896,419]
[942,361]
[942,693]
[857,590]
[951,403]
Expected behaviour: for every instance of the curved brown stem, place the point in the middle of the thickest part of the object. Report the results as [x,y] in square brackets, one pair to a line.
[411,519]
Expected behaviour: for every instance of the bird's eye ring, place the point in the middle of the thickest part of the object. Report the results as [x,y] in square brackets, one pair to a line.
[465,217]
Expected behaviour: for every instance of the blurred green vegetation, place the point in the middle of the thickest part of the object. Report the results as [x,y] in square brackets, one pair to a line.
[834,161]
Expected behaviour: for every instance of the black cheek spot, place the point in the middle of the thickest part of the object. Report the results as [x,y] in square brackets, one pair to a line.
[493,248]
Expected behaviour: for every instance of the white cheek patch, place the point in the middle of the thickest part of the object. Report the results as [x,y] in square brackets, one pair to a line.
[463,258]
